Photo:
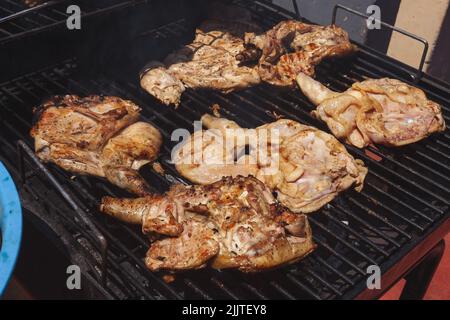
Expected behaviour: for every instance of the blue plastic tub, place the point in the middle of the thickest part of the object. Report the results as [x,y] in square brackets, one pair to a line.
[11,226]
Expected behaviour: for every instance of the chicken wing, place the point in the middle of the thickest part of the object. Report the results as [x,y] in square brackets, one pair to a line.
[97,136]
[375,111]
[306,167]
[232,223]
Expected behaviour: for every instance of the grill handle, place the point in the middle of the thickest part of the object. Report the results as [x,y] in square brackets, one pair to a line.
[415,76]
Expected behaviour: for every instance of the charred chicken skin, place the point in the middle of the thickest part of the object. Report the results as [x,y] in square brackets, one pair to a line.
[232,223]
[306,167]
[375,111]
[229,52]
[98,136]
[291,47]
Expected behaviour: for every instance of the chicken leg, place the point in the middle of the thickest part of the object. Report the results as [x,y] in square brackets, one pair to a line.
[375,111]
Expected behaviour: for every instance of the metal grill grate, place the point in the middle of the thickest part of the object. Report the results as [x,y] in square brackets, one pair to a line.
[17,20]
[405,195]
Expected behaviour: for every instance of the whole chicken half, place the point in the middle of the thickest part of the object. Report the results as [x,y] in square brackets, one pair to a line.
[98,136]
[375,111]
[233,223]
[306,167]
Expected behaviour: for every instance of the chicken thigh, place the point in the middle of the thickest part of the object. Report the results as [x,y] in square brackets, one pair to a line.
[375,111]
[97,136]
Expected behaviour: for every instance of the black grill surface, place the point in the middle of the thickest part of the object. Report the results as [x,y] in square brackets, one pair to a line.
[17,20]
[405,196]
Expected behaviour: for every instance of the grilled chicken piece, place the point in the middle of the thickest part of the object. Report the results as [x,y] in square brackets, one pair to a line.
[97,136]
[229,52]
[292,47]
[209,62]
[306,167]
[375,111]
[209,155]
[232,223]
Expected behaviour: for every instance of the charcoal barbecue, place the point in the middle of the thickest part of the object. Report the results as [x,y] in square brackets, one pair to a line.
[397,222]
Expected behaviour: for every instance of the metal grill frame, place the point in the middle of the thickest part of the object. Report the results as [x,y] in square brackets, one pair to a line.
[401,253]
[23,21]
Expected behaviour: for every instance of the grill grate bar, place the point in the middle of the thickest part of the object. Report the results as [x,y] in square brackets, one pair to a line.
[43,11]
[336,271]
[344,242]
[303,287]
[223,287]
[411,170]
[199,291]
[402,202]
[395,213]
[36,12]
[338,255]
[323,281]
[421,165]
[380,218]
[357,235]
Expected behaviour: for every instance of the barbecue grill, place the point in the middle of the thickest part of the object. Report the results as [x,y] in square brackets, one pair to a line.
[397,222]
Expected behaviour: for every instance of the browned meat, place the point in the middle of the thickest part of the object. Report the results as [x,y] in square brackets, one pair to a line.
[375,111]
[230,53]
[208,62]
[98,136]
[306,167]
[233,223]
[292,47]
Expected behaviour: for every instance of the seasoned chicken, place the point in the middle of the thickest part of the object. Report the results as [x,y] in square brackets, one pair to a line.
[232,223]
[209,155]
[209,62]
[229,52]
[375,111]
[291,47]
[98,136]
[306,167]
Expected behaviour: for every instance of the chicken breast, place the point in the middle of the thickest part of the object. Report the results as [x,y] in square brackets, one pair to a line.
[232,223]
[98,136]
[306,167]
[291,47]
[375,111]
